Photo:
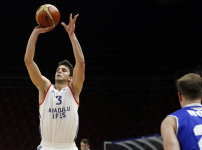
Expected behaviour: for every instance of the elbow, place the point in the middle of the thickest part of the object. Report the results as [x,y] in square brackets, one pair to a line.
[82,64]
[27,61]
[81,61]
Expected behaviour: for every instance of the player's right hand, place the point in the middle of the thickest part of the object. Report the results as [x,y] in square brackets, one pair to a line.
[39,29]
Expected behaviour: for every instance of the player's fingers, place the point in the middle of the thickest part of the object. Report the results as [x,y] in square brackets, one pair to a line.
[75,17]
[70,17]
[51,28]
[63,24]
[48,28]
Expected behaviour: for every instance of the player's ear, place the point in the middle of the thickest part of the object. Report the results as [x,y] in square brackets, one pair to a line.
[179,96]
[70,79]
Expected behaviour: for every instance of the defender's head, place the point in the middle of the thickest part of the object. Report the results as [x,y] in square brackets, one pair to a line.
[85,145]
[189,87]
[64,71]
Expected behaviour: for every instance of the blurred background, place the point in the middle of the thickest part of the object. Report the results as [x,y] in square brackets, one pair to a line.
[134,51]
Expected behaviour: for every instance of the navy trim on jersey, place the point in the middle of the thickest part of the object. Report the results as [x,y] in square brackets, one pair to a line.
[39,147]
[40,131]
[76,133]
[39,125]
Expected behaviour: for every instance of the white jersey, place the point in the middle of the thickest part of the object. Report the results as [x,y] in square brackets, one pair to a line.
[59,116]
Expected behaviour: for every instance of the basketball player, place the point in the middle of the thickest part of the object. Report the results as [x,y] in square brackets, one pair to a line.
[182,130]
[58,103]
[85,144]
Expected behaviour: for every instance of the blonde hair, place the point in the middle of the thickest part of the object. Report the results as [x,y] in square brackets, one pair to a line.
[190,85]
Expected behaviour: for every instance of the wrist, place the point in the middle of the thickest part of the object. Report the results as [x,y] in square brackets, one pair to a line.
[36,32]
[72,35]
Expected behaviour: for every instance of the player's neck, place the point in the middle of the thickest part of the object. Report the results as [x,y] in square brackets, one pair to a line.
[190,102]
[59,85]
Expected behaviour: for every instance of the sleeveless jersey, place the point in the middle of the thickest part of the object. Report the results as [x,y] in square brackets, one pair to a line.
[59,116]
[189,126]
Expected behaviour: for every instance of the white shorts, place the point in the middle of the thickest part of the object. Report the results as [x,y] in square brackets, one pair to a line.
[44,145]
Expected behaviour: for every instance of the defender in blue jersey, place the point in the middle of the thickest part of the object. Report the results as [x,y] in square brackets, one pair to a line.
[182,130]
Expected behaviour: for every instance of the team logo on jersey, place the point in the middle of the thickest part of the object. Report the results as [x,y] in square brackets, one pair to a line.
[59,112]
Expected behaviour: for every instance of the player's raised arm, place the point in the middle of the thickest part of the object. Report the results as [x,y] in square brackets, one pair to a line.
[32,68]
[168,131]
[79,69]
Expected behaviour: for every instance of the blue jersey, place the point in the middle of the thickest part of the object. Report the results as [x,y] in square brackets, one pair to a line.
[189,127]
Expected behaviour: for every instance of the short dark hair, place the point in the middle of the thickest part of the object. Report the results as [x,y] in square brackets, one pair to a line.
[85,141]
[190,85]
[68,64]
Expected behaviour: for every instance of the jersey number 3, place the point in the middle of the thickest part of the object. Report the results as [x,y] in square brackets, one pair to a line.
[197,132]
[59,99]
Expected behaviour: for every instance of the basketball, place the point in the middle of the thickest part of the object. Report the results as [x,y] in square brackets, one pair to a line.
[47,16]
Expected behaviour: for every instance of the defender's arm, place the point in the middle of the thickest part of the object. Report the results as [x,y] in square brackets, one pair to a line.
[168,132]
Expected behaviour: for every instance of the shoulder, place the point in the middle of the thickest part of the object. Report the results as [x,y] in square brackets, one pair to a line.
[74,90]
[75,93]
[181,113]
[46,84]
[169,133]
[43,90]
[169,122]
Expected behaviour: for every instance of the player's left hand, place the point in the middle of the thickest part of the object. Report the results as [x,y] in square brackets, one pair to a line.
[71,26]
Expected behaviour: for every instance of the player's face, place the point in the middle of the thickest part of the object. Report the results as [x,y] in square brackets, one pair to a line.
[62,73]
[84,146]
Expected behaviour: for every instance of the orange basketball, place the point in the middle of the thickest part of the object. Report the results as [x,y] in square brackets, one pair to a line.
[47,16]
